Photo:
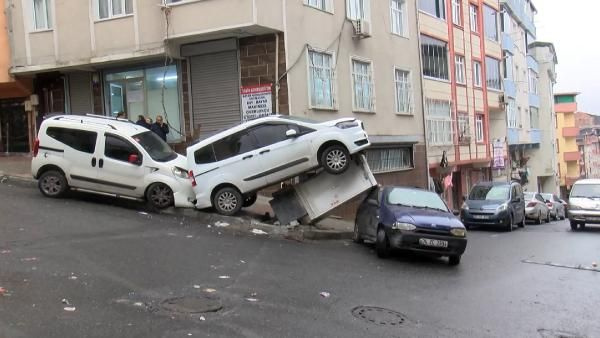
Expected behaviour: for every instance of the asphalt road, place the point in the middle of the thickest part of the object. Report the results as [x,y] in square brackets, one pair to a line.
[116,267]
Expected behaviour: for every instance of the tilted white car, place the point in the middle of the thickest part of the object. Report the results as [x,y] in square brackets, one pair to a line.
[228,168]
[110,157]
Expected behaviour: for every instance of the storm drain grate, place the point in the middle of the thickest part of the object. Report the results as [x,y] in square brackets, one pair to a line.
[379,316]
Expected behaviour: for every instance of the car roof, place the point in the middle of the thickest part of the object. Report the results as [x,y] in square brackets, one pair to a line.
[98,122]
[588,181]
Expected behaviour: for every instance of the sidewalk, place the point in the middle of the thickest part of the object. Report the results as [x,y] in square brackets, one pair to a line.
[19,167]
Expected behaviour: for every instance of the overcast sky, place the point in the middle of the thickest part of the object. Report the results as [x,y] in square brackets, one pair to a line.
[572,27]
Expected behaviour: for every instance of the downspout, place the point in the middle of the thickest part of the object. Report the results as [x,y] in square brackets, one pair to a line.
[422,91]
[277,73]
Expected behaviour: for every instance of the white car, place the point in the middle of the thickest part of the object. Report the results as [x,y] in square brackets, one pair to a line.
[228,168]
[110,157]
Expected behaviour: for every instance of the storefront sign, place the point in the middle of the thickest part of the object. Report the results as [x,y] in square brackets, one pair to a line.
[498,154]
[256,102]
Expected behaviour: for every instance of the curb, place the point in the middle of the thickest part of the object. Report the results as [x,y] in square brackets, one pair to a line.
[18,178]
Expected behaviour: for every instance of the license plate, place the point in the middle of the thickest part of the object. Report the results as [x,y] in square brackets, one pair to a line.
[435,243]
[480,216]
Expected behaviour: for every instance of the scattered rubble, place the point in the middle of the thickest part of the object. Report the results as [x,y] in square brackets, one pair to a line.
[259,232]
[325,294]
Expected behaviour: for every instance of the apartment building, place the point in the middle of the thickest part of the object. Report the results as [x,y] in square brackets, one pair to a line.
[205,65]
[544,164]
[588,143]
[15,115]
[461,55]
[565,105]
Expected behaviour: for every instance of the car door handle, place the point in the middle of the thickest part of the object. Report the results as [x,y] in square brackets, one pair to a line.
[264,151]
[93,161]
[247,157]
[100,163]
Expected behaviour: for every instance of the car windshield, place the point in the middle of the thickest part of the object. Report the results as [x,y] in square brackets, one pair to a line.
[529,196]
[299,119]
[586,190]
[158,149]
[489,193]
[416,199]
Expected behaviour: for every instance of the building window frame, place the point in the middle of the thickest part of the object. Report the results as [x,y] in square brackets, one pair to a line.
[534,118]
[438,6]
[533,82]
[479,128]
[125,9]
[390,158]
[436,65]
[360,101]
[404,91]
[459,69]
[358,10]
[313,104]
[457,12]
[398,18]
[473,18]
[477,74]
[490,28]
[463,127]
[322,5]
[439,122]
[493,74]
[45,10]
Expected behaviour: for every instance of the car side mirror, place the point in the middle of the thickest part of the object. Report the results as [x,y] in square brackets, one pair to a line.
[134,159]
[291,133]
[373,203]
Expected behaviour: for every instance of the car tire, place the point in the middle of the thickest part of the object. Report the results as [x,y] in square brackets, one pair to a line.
[581,226]
[53,183]
[539,218]
[509,226]
[454,260]
[548,217]
[522,223]
[249,200]
[573,225]
[335,159]
[356,235]
[227,201]
[159,196]
[382,244]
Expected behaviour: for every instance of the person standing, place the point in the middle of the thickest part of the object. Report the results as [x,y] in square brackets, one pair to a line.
[142,122]
[122,115]
[160,128]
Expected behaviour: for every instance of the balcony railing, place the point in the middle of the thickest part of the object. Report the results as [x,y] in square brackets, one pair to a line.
[570,131]
[512,135]
[571,156]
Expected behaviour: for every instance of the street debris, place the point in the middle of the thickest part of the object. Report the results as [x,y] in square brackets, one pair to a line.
[73,277]
[224,277]
[252,300]
[2,291]
[557,265]
[209,290]
[259,232]
[325,294]
[70,308]
[202,318]
[189,236]
[242,261]
[171,234]
[4,252]
[208,226]
[29,259]
[143,213]
[220,224]
[65,301]
[196,286]
[138,304]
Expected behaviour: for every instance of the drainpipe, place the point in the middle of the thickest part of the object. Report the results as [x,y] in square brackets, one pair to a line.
[423,99]
[277,72]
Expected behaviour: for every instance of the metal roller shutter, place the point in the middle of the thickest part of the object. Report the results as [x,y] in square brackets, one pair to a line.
[215,91]
[80,92]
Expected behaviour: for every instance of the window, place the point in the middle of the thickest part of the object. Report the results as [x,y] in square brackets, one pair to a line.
[233,145]
[464,130]
[456,12]
[493,78]
[534,118]
[119,149]
[473,18]
[41,15]
[398,8]
[80,140]
[511,114]
[404,93]
[479,128]
[357,9]
[114,8]
[508,67]
[323,5]
[459,63]
[490,23]
[321,80]
[477,73]
[439,122]
[435,58]
[436,8]
[205,155]
[383,160]
[268,134]
[362,84]
[533,81]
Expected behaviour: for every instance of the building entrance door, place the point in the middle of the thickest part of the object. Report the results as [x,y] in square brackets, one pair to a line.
[14,132]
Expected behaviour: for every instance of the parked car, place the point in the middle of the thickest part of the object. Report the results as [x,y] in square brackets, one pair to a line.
[228,168]
[557,209]
[411,219]
[110,157]
[536,208]
[584,203]
[494,204]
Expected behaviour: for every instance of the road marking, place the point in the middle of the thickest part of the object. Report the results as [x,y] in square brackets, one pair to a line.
[558,265]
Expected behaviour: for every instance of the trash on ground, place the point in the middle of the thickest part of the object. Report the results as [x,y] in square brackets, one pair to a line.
[325,294]
[5,252]
[70,308]
[202,318]
[258,232]
[72,277]
[196,286]
[171,234]
[252,300]
[29,259]
[142,213]
[189,236]
[224,277]
[220,224]
[65,301]
[209,290]
[243,261]
[208,226]
[140,304]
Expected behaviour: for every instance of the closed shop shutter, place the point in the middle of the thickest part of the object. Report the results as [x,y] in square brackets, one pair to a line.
[215,91]
[80,92]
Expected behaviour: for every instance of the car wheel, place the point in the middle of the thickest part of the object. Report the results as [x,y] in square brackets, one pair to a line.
[227,201]
[522,223]
[581,226]
[356,235]
[509,226]
[548,217]
[335,159]
[573,225]
[249,200]
[454,260]
[159,195]
[53,184]
[539,218]
[382,244]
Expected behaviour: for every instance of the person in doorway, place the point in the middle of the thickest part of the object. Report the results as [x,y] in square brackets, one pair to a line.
[122,115]
[160,128]
[141,121]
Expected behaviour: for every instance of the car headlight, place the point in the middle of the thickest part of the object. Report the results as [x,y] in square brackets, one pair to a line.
[347,124]
[179,172]
[459,232]
[465,206]
[403,226]
[502,207]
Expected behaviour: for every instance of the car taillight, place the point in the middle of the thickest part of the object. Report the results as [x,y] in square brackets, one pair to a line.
[549,204]
[36,147]
[531,204]
[192,178]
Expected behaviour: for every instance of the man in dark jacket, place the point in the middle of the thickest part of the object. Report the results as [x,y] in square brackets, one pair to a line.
[142,121]
[160,128]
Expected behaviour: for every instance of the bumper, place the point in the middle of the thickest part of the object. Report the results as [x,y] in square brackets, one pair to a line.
[357,141]
[585,216]
[531,213]
[183,193]
[410,241]
[497,219]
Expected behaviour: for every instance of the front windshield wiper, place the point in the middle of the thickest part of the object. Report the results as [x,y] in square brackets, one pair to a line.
[429,208]
[404,205]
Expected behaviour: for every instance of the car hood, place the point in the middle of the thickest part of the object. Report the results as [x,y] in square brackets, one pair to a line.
[426,218]
[484,205]
[334,122]
[585,203]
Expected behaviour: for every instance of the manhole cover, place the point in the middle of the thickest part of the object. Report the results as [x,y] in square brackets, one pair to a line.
[379,316]
[192,304]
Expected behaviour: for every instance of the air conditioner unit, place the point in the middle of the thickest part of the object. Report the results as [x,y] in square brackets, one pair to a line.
[362,28]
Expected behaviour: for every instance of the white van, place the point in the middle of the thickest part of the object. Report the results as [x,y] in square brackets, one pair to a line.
[584,203]
[110,157]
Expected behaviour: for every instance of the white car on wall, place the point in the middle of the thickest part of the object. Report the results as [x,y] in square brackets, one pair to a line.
[228,168]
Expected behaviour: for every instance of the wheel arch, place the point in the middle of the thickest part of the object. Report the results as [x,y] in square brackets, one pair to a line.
[328,144]
[221,186]
[49,167]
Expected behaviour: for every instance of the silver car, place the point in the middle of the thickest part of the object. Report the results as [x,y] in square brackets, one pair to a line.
[584,203]
[536,208]
[557,209]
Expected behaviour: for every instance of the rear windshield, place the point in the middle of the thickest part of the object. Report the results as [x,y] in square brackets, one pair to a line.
[158,149]
[585,190]
[529,196]
[489,193]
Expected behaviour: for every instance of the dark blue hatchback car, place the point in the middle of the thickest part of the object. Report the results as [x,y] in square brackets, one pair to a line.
[410,219]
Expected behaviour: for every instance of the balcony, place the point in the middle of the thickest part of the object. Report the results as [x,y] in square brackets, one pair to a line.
[565,107]
[532,64]
[534,100]
[516,7]
[512,135]
[535,136]
[510,90]
[571,156]
[508,45]
[570,132]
